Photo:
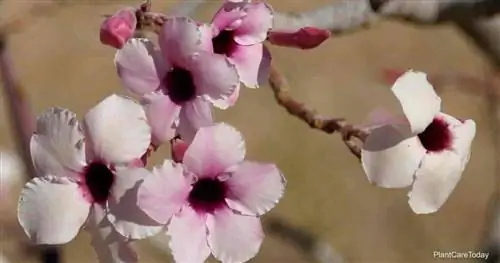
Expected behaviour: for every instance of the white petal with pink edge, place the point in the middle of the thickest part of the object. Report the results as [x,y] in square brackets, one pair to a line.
[140,66]
[179,38]
[419,101]
[391,159]
[253,64]
[255,188]
[435,180]
[214,75]
[215,149]
[234,238]
[188,236]
[52,210]
[118,130]
[255,25]
[164,192]
[58,146]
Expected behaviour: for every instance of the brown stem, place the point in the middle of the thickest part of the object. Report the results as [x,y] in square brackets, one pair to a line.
[281,89]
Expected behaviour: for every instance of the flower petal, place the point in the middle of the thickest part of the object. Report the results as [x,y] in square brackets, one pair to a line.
[435,180]
[140,66]
[214,75]
[463,136]
[253,64]
[229,14]
[188,234]
[419,101]
[255,188]
[108,244]
[206,32]
[58,147]
[229,102]
[118,130]
[163,193]
[255,25]
[161,113]
[52,210]
[234,238]
[124,213]
[215,149]
[194,115]
[179,38]
[389,158]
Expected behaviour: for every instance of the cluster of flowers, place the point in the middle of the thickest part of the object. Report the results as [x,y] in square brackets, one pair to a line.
[208,199]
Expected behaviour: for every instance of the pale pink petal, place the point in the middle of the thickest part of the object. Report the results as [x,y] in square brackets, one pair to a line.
[419,101]
[389,158]
[140,66]
[118,130]
[229,102]
[194,115]
[163,193]
[253,64]
[256,24]
[234,238]
[214,150]
[228,16]
[435,180]
[188,237]
[214,75]
[179,38]
[162,113]
[178,149]
[108,244]
[206,32]
[52,210]
[58,147]
[255,188]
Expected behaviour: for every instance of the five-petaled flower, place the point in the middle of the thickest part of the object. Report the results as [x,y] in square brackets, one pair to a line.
[238,32]
[81,169]
[424,148]
[212,201]
[180,81]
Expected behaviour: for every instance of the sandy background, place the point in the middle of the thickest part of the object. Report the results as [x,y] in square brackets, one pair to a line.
[61,62]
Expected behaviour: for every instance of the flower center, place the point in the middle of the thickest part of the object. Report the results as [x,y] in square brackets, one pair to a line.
[224,43]
[437,136]
[98,180]
[207,195]
[180,85]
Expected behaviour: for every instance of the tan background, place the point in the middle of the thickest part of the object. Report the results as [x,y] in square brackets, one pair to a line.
[61,62]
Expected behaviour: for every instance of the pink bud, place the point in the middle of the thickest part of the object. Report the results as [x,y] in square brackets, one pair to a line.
[117,29]
[179,147]
[304,38]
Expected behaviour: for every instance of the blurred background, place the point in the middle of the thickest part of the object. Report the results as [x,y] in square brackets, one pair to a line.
[61,62]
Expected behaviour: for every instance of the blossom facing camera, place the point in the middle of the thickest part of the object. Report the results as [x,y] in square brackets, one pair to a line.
[212,201]
[81,171]
[423,147]
[239,29]
[117,29]
[180,81]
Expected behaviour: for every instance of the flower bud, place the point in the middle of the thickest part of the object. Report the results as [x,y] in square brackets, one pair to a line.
[117,29]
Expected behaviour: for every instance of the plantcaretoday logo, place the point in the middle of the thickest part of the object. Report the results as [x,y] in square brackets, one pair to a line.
[461,255]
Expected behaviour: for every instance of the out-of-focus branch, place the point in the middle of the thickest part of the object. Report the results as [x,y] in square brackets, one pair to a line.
[349,132]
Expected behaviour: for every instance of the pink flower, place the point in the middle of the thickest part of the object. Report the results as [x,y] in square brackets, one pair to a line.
[423,147]
[82,174]
[118,28]
[180,81]
[239,29]
[213,200]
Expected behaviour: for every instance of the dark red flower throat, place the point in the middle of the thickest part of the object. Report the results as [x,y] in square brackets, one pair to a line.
[180,85]
[98,180]
[224,43]
[437,136]
[208,195]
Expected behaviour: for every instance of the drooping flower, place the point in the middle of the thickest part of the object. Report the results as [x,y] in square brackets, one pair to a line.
[117,29]
[238,32]
[424,147]
[180,81]
[81,170]
[213,200]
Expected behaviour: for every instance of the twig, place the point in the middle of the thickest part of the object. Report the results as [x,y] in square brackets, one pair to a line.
[281,91]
